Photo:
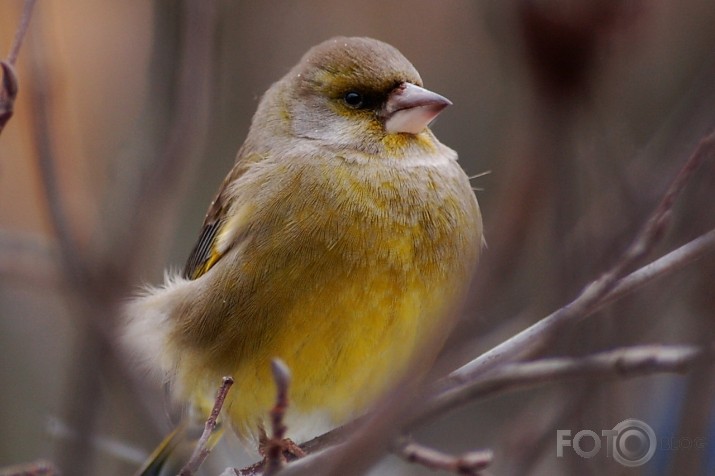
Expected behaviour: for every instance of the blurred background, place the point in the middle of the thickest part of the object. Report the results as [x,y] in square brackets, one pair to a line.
[582,111]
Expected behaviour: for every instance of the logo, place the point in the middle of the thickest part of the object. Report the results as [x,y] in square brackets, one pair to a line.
[631,442]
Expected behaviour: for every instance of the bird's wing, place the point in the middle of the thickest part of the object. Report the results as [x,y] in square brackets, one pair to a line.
[219,230]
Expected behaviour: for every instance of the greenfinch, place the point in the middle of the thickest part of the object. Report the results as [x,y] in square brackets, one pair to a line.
[339,242]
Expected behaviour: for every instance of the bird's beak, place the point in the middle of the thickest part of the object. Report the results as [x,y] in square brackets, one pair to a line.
[410,108]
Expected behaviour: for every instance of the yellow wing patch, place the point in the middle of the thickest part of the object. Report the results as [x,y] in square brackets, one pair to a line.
[217,237]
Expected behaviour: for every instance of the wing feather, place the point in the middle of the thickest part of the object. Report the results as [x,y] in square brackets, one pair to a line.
[213,244]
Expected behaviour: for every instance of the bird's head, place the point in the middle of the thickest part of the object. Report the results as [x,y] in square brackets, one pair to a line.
[357,94]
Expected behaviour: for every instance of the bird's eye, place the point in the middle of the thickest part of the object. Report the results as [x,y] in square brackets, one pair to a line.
[353,99]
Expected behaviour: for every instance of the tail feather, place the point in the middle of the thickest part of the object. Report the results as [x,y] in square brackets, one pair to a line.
[147,324]
[176,449]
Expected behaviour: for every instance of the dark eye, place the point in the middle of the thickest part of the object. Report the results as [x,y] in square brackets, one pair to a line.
[353,99]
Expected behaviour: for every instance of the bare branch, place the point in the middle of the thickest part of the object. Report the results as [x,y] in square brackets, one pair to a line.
[43,135]
[156,204]
[21,30]
[470,463]
[538,335]
[523,342]
[620,363]
[38,468]
[203,448]
[8,93]
[273,449]
[28,257]
[96,275]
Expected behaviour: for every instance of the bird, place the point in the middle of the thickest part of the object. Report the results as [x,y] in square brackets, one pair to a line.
[341,241]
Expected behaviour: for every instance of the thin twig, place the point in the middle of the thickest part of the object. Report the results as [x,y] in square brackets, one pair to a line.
[203,449]
[43,135]
[97,276]
[470,463]
[28,258]
[9,89]
[90,357]
[538,335]
[8,93]
[38,468]
[21,30]
[619,363]
[521,342]
[275,460]
[119,450]
[156,203]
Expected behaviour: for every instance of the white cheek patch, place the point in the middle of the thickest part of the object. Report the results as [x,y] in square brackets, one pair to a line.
[412,120]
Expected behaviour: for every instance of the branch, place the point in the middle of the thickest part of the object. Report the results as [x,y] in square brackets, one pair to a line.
[43,137]
[522,342]
[97,276]
[157,201]
[595,294]
[625,362]
[9,89]
[619,363]
[470,463]
[38,468]
[20,33]
[203,448]
[28,257]
[275,460]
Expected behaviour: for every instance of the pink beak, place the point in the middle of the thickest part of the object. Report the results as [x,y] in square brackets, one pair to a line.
[410,108]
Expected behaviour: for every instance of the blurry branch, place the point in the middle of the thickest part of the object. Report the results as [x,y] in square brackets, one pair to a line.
[110,446]
[97,276]
[521,342]
[470,463]
[20,33]
[38,468]
[595,294]
[203,447]
[42,132]
[625,362]
[28,257]
[9,89]
[88,297]
[155,207]
[525,444]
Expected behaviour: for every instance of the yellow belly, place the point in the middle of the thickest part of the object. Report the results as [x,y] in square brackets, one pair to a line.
[344,346]
[345,339]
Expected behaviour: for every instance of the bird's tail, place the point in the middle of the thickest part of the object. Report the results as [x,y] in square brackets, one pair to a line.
[147,325]
[175,451]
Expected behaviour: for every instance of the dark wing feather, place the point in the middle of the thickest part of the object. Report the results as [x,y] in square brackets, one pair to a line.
[205,253]
[202,252]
